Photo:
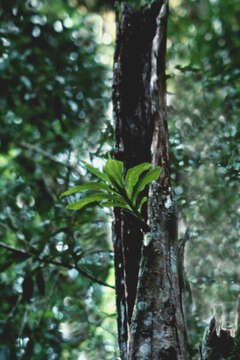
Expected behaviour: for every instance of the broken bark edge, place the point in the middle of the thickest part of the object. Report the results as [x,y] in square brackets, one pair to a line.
[219,346]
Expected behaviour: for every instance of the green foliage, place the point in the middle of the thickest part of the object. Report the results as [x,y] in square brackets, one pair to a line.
[142,183]
[53,101]
[132,177]
[114,172]
[204,144]
[117,190]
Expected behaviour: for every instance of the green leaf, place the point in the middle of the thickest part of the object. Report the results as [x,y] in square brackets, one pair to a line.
[86,187]
[147,179]
[132,177]
[95,171]
[77,205]
[144,199]
[114,171]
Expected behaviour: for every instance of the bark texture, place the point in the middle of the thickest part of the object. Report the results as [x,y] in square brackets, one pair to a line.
[133,138]
[148,277]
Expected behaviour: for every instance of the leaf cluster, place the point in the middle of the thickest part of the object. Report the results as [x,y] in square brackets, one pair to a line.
[115,189]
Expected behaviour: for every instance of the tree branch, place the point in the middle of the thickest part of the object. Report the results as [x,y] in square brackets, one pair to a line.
[44,153]
[57,263]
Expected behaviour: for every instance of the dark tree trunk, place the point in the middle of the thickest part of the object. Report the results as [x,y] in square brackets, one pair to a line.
[149,271]
[148,277]
[133,137]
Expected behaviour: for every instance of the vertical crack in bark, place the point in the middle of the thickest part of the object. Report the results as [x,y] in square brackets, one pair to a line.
[160,146]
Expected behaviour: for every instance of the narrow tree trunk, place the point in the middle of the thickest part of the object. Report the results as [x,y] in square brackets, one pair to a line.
[133,137]
[156,330]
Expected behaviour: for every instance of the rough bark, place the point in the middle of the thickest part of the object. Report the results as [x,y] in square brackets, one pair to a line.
[156,330]
[133,137]
[149,277]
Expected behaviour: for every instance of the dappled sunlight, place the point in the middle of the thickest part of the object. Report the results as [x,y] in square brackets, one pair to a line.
[56,265]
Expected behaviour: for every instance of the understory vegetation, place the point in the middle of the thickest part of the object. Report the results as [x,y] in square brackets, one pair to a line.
[56,266]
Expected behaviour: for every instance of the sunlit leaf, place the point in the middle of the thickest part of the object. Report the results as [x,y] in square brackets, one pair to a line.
[77,205]
[95,171]
[86,187]
[142,202]
[147,179]
[114,171]
[132,176]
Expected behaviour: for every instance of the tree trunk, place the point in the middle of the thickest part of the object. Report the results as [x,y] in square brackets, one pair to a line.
[148,276]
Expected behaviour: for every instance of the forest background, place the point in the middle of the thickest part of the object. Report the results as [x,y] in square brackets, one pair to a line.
[55,110]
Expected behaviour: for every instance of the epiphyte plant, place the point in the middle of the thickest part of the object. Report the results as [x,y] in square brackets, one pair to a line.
[114,189]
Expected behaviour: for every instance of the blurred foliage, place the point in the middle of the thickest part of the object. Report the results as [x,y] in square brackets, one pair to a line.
[54,96]
[55,79]
[204,99]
